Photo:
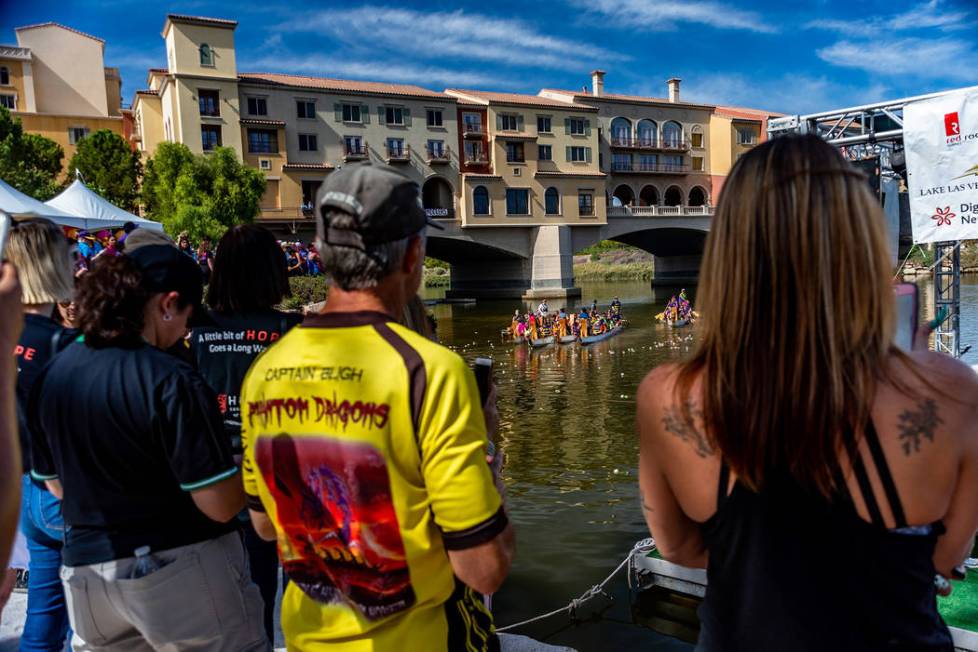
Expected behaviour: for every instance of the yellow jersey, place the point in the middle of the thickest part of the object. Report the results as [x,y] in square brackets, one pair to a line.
[365,443]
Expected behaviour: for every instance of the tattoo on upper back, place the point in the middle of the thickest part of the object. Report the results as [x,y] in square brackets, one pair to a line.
[917,425]
[676,424]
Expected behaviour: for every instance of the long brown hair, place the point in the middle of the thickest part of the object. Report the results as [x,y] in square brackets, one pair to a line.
[798,313]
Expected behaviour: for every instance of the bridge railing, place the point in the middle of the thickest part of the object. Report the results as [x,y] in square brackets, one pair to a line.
[658,211]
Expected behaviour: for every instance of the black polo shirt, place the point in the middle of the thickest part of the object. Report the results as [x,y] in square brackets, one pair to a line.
[129,432]
[224,353]
[41,338]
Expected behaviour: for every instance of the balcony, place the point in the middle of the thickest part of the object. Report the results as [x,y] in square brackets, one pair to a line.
[356,153]
[476,159]
[658,211]
[473,130]
[648,168]
[624,141]
[398,154]
[439,157]
[440,213]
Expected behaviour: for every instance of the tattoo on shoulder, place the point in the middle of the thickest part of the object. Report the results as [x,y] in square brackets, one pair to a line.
[918,425]
[676,424]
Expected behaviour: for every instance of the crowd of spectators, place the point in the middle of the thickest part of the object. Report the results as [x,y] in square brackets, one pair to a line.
[179,452]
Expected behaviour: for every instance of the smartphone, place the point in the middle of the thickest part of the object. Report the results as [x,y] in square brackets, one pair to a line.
[908,308]
[6,222]
[483,376]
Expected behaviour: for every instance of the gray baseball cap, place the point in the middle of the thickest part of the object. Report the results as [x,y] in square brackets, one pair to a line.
[385,204]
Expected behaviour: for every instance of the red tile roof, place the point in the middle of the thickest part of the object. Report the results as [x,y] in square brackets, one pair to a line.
[618,97]
[746,114]
[517,99]
[201,20]
[340,85]
[147,91]
[51,23]
[258,121]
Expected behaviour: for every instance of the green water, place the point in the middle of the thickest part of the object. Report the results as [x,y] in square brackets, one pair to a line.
[568,432]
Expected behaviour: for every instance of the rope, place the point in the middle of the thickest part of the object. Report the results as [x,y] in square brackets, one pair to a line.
[643,546]
[899,271]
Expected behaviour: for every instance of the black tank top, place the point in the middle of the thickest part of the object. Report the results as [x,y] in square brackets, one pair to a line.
[793,571]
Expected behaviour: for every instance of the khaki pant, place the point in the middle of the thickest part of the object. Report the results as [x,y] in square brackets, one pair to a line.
[201,600]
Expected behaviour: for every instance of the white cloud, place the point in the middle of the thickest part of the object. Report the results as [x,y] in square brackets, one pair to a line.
[666,15]
[432,77]
[943,58]
[457,34]
[927,15]
[794,94]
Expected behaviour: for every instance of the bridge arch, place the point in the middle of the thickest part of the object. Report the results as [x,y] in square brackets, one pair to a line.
[649,196]
[673,196]
[623,196]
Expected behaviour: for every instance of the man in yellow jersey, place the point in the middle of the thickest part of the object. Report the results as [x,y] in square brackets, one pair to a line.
[365,448]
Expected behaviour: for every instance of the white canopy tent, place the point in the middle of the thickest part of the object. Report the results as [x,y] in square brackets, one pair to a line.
[20,205]
[79,201]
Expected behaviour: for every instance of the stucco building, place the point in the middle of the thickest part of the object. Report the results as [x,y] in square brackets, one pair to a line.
[294,128]
[55,81]
[529,161]
[485,159]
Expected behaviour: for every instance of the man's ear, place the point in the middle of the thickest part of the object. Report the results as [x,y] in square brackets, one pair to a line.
[414,254]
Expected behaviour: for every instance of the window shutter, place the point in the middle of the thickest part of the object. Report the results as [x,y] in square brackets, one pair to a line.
[365,114]
[407,117]
[587,154]
[567,126]
[567,154]
[338,110]
[381,115]
[587,127]
[519,122]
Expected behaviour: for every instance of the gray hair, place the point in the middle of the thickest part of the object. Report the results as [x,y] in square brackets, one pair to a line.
[354,269]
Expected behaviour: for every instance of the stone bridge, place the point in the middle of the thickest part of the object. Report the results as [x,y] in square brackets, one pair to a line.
[537,261]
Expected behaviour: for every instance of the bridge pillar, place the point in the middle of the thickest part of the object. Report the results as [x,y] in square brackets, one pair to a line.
[675,270]
[552,264]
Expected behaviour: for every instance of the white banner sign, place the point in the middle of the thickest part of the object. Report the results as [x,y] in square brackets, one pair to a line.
[941,140]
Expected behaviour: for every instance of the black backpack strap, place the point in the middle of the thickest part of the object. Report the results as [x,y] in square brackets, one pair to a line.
[867,491]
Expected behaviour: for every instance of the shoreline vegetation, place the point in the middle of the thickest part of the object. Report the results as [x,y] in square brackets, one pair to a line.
[605,261]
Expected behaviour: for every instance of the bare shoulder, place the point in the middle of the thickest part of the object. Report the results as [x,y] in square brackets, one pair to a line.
[658,387]
[945,399]
[670,417]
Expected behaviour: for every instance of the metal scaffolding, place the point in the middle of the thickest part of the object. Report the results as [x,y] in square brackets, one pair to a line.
[876,130]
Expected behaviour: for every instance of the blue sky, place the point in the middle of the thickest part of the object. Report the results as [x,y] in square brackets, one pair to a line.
[783,55]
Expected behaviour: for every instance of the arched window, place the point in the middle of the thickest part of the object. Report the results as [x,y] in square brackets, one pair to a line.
[649,196]
[4,76]
[672,134]
[674,196]
[697,197]
[696,136]
[647,133]
[551,200]
[621,131]
[480,201]
[206,55]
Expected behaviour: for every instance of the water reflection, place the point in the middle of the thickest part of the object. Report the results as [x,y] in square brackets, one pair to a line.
[568,432]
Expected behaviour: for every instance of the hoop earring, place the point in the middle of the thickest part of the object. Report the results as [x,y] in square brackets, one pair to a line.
[167,317]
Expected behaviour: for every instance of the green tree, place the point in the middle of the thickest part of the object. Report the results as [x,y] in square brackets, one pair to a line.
[28,162]
[200,194]
[109,166]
